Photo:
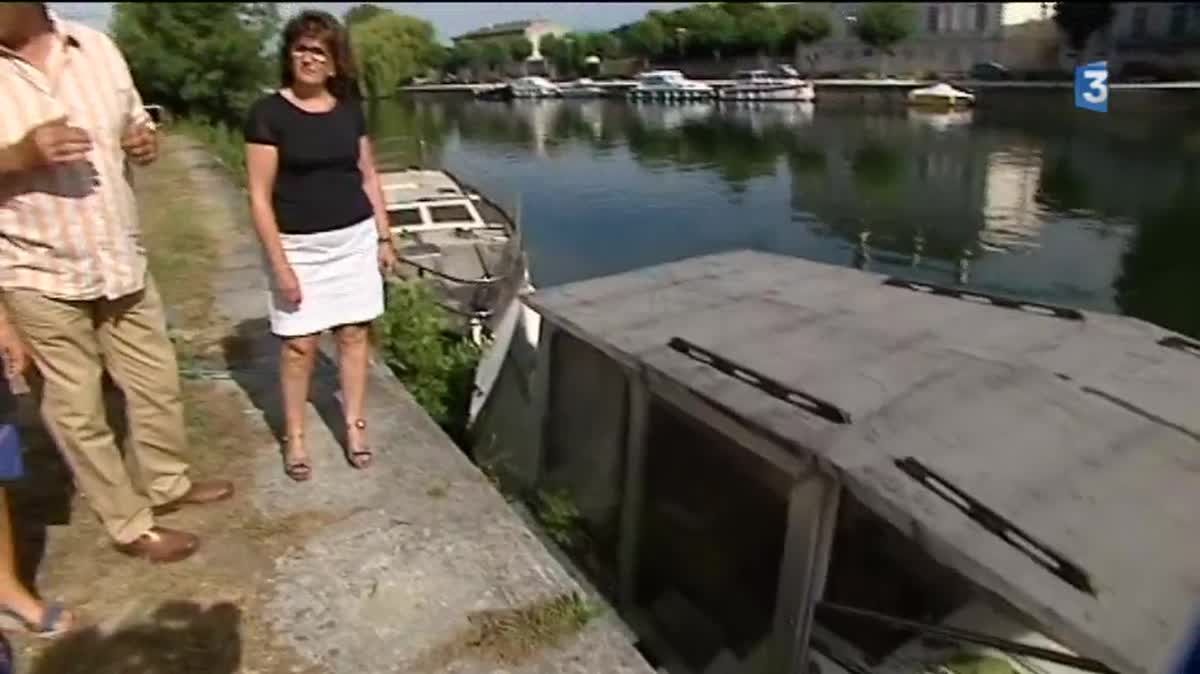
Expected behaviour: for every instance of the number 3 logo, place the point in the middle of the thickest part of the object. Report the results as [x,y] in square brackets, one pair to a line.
[1091,86]
[1097,84]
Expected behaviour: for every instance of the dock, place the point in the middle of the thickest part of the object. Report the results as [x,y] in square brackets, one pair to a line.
[1047,457]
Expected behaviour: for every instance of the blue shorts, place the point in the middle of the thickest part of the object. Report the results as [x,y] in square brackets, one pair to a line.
[12,467]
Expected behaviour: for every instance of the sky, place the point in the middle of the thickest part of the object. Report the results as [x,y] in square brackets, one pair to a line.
[449,18]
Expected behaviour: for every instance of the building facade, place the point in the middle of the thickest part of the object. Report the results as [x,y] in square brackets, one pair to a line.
[533,30]
[950,37]
[1163,36]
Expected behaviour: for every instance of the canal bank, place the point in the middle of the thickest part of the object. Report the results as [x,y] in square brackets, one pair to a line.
[416,565]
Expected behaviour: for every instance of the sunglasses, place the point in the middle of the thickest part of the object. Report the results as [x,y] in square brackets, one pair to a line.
[319,55]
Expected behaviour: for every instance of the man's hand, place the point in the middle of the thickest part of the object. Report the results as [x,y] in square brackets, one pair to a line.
[12,350]
[140,142]
[54,143]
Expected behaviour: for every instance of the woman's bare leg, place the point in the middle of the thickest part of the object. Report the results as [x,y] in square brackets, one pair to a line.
[296,359]
[353,359]
[13,595]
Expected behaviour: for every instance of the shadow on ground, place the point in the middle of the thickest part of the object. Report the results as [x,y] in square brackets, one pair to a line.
[179,637]
[252,356]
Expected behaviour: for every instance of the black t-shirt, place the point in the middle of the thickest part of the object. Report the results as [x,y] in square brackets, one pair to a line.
[318,186]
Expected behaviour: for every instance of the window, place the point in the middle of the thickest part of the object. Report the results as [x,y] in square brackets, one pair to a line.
[1140,17]
[868,51]
[1179,20]
[450,214]
[981,19]
[931,20]
[401,217]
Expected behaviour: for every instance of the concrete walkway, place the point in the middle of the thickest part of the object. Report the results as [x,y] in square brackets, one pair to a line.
[415,565]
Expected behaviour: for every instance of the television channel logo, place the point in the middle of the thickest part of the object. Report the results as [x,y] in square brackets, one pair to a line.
[1091,86]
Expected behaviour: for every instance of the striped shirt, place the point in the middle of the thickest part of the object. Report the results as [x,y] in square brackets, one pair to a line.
[71,232]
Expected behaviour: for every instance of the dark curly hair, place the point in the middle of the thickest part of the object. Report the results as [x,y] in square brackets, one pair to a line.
[326,28]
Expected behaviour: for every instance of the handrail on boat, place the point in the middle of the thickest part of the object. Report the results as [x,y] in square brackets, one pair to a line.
[491,280]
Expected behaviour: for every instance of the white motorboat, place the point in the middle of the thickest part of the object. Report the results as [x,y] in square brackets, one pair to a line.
[583,87]
[534,87]
[668,85]
[781,84]
[940,96]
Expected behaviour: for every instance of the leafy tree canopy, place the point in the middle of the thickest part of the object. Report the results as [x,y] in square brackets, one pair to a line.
[391,49]
[199,58]
[883,24]
[362,13]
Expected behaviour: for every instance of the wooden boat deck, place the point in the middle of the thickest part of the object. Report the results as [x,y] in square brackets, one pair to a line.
[1051,458]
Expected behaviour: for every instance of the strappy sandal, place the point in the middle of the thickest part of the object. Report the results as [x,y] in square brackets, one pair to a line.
[361,457]
[54,621]
[299,471]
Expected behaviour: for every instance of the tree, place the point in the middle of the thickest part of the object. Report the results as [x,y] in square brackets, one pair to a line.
[883,24]
[465,54]
[495,54]
[519,48]
[363,13]
[761,30]
[710,28]
[646,38]
[805,26]
[198,58]
[1079,20]
[556,51]
[390,50]
[605,45]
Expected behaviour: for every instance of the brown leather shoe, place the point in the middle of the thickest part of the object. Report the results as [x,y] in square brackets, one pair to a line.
[208,491]
[162,545]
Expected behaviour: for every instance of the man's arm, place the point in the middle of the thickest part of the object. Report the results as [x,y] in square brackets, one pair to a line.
[47,144]
[12,159]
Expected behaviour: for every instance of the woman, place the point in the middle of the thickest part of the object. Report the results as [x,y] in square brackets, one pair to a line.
[18,608]
[319,210]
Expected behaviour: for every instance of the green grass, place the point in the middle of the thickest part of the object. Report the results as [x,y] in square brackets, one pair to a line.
[226,143]
[436,366]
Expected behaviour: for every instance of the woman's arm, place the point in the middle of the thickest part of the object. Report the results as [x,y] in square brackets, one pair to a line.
[262,163]
[374,189]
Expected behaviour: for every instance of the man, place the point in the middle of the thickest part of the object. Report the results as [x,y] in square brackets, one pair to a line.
[73,273]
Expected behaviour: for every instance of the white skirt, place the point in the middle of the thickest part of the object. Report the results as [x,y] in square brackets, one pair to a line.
[340,282]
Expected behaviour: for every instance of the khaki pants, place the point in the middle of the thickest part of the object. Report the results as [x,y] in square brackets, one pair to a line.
[72,343]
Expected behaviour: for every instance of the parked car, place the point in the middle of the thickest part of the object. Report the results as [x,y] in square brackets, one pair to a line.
[989,70]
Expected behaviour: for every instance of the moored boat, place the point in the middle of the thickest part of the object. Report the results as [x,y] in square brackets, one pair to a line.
[888,502]
[940,96]
[534,86]
[782,83]
[668,85]
[583,87]
[465,246]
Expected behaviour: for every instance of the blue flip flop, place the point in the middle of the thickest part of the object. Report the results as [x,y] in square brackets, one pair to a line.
[51,625]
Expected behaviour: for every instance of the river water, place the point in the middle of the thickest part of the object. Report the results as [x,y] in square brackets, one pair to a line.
[1024,196]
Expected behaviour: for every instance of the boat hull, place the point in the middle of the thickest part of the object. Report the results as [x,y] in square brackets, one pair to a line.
[796,93]
[583,92]
[671,94]
[940,104]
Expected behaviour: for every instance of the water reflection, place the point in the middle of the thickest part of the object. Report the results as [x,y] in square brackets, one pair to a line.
[941,121]
[1054,206]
